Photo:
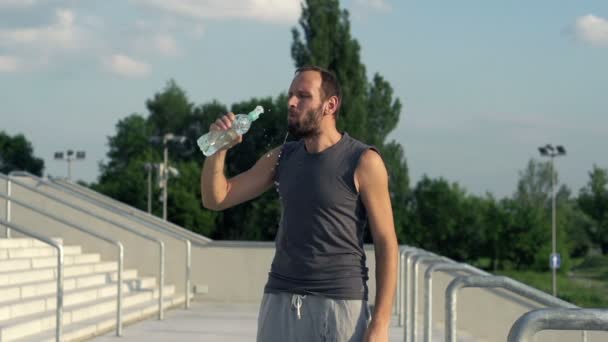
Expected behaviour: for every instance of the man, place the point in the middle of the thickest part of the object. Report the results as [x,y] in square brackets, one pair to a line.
[329,185]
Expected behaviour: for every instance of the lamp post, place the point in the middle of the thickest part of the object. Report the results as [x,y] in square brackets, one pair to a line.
[149,167]
[165,169]
[70,156]
[554,260]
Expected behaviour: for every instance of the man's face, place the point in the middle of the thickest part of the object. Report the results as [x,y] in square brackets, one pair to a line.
[305,105]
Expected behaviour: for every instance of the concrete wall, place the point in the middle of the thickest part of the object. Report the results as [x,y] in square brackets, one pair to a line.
[238,271]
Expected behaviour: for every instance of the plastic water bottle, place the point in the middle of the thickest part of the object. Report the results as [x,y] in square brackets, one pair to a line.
[214,141]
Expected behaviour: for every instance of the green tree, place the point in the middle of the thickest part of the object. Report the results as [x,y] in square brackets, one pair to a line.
[17,154]
[531,221]
[446,221]
[170,110]
[593,201]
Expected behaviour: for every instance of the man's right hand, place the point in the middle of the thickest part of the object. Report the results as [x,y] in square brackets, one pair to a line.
[224,123]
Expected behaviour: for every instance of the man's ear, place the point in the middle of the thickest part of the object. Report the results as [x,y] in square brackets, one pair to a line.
[332,105]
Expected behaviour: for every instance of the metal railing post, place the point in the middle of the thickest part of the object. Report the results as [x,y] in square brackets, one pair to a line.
[407,296]
[526,326]
[491,281]
[60,261]
[416,261]
[400,275]
[8,208]
[428,289]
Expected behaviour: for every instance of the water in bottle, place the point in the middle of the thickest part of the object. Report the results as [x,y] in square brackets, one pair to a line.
[213,141]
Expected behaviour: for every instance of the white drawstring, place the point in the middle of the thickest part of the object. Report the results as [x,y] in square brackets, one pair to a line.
[296,301]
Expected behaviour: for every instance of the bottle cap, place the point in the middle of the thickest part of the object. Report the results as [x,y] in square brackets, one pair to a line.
[255,114]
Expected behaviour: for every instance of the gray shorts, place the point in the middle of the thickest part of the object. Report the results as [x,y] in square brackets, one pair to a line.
[286,317]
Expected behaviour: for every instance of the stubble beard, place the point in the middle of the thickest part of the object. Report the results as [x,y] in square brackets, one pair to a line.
[308,127]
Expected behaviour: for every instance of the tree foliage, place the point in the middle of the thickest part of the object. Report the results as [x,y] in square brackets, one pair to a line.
[17,154]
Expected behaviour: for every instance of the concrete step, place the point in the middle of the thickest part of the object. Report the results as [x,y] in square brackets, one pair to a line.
[40,251]
[20,307]
[105,323]
[21,327]
[21,264]
[39,288]
[25,242]
[46,273]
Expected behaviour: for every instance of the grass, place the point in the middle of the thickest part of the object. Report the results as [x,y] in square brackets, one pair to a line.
[586,285]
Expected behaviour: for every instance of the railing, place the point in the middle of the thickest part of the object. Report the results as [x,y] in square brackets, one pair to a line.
[406,297]
[416,261]
[89,232]
[187,242]
[428,288]
[492,281]
[128,210]
[400,276]
[8,211]
[59,247]
[524,329]
[161,244]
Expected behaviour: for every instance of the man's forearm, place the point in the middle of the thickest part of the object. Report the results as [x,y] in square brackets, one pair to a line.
[213,180]
[386,278]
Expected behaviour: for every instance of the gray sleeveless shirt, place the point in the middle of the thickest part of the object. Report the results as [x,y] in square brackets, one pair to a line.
[319,244]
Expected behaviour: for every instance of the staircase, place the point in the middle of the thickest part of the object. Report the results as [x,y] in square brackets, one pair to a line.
[28,286]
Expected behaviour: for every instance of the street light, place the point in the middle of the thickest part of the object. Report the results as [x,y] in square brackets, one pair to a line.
[70,156]
[554,260]
[149,167]
[165,170]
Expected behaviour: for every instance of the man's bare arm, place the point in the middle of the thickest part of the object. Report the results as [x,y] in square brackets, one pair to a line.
[372,180]
[218,192]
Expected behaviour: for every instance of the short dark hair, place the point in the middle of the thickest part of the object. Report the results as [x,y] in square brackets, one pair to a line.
[330,85]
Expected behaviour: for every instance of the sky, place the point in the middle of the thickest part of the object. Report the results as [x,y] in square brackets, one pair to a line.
[483,83]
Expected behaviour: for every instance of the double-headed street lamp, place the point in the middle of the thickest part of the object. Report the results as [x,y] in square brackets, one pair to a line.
[70,156]
[165,169]
[554,260]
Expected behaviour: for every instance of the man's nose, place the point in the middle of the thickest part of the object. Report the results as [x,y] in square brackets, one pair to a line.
[292,101]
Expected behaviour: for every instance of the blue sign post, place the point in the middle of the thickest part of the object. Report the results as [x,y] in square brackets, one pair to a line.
[555,261]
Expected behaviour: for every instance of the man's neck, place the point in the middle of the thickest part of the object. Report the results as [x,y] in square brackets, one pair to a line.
[322,142]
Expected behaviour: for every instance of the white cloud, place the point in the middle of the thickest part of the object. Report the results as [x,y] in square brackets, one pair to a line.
[199,31]
[8,64]
[126,66]
[264,10]
[166,45]
[17,3]
[376,4]
[62,33]
[592,29]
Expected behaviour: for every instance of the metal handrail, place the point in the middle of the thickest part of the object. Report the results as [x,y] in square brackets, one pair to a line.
[117,224]
[407,323]
[400,272]
[8,211]
[491,281]
[416,261]
[187,242]
[428,288]
[404,283]
[117,205]
[526,326]
[99,236]
[59,247]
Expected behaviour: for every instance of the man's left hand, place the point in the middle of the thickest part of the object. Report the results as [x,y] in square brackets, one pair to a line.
[375,333]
